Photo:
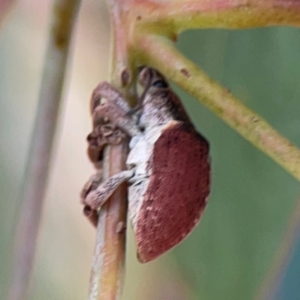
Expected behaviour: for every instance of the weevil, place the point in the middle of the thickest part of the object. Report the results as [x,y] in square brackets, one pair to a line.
[168,165]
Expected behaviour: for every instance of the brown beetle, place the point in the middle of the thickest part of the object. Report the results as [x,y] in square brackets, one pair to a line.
[168,167]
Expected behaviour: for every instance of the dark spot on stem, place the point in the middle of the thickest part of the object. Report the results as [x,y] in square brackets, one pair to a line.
[61,29]
[185,72]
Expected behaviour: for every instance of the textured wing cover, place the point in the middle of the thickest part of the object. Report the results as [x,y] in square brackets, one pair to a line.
[177,191]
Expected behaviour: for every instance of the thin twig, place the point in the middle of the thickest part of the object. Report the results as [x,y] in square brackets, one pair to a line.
[35,180]
[107,275]
[161,54]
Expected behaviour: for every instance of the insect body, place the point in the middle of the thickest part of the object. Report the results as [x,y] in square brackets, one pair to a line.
[168,168]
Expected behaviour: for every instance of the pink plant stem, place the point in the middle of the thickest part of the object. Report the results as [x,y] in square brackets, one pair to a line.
[107,275]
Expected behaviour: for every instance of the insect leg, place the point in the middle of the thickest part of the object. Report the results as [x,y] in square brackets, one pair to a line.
[91,185]
[116,116]
[111,123]
[105,90]
[96,198]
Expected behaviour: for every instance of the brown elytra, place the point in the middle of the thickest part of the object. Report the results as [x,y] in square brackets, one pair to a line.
[177,192]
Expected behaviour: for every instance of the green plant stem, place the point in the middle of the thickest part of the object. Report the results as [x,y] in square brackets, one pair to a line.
[35,180]
[161,54]
[170,17]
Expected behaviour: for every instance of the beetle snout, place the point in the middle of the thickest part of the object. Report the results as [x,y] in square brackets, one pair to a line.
[149,77]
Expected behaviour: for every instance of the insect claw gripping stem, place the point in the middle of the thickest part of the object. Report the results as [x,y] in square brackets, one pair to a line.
[91,214]
[116,115]
[115,109]
[105,90]
[96,198]
[110,125]
[91,185]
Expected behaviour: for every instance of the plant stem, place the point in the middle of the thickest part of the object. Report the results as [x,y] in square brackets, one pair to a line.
[107,275]
[175,16]
[36,173]
[162,55]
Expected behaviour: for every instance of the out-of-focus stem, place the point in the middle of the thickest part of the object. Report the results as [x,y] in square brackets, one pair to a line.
[36,173]
[268,288]
[162,55]
[4,8]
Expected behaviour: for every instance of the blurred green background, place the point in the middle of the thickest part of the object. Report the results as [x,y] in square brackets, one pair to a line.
[247,244]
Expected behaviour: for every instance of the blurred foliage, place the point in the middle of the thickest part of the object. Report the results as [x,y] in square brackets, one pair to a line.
[289,286]
[252,200]
[236,251]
